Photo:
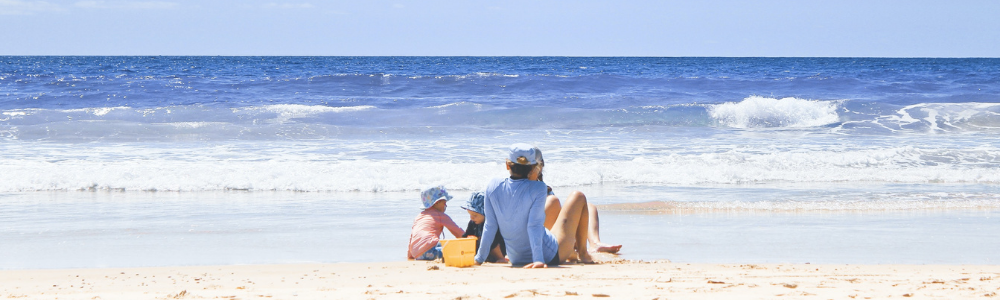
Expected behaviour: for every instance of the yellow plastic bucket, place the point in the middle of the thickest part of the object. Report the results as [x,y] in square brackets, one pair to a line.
[459,252]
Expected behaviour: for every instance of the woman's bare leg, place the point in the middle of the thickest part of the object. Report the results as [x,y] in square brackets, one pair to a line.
[552,208]
[595,233]
[571,228]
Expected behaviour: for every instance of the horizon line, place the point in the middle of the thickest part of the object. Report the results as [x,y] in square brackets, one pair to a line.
[565,56]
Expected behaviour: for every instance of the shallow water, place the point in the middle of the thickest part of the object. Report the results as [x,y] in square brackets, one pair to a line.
[925,237]
[132,229]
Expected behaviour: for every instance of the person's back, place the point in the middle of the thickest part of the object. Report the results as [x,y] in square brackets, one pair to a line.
[516,207]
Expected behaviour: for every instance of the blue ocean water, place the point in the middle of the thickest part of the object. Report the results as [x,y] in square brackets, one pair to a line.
[296,123]
[711,135]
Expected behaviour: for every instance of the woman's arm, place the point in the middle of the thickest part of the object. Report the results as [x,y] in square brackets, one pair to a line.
[536,223]
[490,228]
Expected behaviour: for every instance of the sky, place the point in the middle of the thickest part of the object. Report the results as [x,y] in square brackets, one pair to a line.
[769,28]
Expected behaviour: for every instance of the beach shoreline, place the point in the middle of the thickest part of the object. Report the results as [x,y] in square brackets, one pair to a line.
[614,278]
[60,230]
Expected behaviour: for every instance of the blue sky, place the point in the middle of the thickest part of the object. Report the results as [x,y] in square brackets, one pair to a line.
[881,28]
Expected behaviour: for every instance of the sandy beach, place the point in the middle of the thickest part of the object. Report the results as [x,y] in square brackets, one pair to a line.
[429,280]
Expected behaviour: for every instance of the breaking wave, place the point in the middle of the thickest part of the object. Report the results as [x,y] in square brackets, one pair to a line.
[761,112]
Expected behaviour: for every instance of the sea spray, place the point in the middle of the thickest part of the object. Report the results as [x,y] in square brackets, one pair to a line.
[761,112]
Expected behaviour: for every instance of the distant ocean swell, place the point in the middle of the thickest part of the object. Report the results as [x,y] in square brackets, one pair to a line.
[295,121]
[563,88]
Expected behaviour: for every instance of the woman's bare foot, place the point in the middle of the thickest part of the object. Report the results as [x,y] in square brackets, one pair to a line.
[602,247]
[575,258]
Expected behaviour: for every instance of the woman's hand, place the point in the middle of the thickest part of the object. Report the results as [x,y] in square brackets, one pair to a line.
[536,265]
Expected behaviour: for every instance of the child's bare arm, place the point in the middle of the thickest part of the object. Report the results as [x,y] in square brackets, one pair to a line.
[450,224]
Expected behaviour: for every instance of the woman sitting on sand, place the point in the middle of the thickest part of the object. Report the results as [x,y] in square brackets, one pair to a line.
[516,207]
[553,207]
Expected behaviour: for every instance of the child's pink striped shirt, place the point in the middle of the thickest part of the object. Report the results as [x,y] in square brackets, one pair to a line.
[427,228]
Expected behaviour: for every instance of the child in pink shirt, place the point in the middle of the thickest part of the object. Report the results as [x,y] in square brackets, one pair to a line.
[429,224]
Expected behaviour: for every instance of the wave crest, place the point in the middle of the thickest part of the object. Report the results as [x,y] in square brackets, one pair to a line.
[761,112]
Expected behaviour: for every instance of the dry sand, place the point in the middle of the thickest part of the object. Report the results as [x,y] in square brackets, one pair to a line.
[429,280]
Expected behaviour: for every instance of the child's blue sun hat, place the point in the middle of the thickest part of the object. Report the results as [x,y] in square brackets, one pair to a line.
[475,203]
[434,194]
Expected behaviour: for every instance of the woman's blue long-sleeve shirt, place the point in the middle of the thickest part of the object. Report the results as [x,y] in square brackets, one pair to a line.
[516,207]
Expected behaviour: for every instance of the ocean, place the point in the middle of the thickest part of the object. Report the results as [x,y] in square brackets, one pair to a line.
[159,161]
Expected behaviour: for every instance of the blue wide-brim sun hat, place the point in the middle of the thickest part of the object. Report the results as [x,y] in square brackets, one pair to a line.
[475,203]
[431,195]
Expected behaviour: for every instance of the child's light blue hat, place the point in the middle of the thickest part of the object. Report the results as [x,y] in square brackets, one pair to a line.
[523,154]
[433,194]
[475,203]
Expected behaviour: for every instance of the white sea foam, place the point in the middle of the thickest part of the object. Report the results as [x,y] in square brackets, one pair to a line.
[269,175]
[405,166]
[97,111]
[287,112]
[18,114]
[761,112]
[193,125]
[944,117]
[459,104]
[298,109]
